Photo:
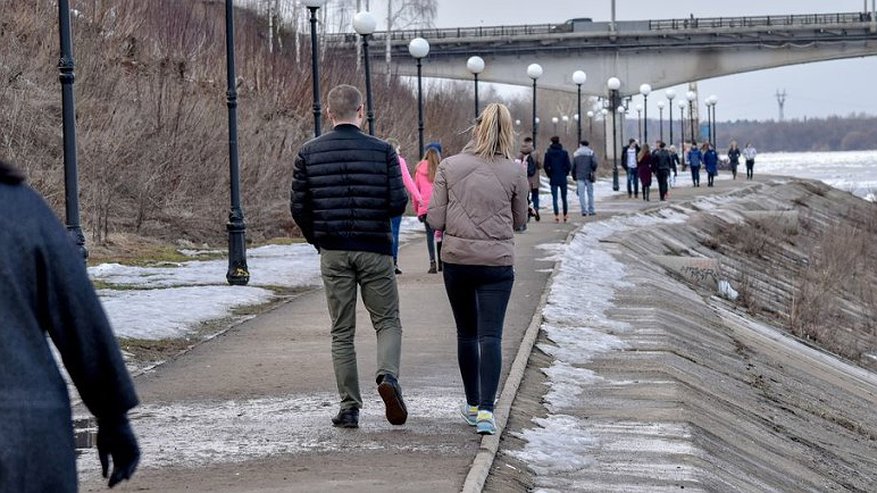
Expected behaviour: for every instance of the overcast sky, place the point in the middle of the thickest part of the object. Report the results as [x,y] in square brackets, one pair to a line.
[814,90]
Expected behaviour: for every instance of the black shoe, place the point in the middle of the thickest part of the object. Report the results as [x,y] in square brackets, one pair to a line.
[346,418]
[432,268]
[538,217]
[391,393]
[397,269]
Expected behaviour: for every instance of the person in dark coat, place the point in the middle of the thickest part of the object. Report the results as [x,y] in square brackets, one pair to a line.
[663,164]
[557,167]
[346,186]
[629,156]
[734,158]
[695,158]
[711,163]
[644,170]
[46,291]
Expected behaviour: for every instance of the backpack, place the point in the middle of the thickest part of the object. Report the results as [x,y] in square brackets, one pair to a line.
[531,165]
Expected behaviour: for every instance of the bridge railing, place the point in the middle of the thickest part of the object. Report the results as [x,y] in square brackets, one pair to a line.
[758,21]
[622,26]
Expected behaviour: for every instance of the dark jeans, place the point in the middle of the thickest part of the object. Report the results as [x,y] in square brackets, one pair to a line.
[710,179]
[562,189]
[430,241]
[663,176]
[534,198]
[395,226]
[734,169]
[632,182]
[479,296]
[695,176]
[750,164]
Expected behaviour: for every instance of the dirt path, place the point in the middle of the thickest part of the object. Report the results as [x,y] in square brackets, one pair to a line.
[249,410]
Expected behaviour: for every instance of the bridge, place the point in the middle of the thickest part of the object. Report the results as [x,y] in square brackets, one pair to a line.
[662,53]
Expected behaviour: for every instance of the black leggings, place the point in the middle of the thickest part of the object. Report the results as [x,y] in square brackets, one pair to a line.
[750,164]
[479,296]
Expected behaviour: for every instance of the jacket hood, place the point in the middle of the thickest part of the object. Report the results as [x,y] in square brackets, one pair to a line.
[557,146]
[583,151]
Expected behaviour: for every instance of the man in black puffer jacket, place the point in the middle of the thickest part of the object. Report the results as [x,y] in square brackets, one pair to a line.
[346,186]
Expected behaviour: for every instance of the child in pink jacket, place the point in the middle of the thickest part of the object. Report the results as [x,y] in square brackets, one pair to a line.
[424,176]
[396,222]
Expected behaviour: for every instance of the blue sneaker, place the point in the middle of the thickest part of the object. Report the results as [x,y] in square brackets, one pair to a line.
[484,424]
[469,413]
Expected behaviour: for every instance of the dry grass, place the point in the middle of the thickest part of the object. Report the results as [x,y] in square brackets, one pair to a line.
[152,120]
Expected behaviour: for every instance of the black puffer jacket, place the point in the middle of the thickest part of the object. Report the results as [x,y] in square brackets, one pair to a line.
[346,186]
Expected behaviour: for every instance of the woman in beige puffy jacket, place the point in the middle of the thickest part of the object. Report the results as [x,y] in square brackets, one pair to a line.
[479,198]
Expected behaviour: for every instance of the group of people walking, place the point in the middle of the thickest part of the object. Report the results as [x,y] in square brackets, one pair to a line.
[641,163]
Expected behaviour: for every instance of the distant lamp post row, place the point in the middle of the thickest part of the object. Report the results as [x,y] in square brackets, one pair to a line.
[692,97]
[711,117]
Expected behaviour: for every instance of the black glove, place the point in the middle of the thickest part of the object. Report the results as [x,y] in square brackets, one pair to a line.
[421,218]
[116,439]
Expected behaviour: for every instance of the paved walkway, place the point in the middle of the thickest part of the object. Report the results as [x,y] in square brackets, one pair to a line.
[249,410]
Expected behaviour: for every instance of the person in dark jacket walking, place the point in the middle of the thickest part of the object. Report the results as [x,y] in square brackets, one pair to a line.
[46,291]
[346,186]
[557,167]
[584,172]
[528,158]
[663,163]
[695,158]
[711,163]
[734,158]
[629,157]
[644,170]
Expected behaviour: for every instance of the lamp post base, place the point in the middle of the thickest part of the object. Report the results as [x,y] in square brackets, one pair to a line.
[238,274]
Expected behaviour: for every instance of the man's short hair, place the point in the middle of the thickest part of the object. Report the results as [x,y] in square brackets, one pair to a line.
[661,144]
[631,141]
[344,101]
[555,140]
[585,143]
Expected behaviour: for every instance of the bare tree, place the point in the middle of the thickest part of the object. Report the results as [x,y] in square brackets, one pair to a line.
[407,14]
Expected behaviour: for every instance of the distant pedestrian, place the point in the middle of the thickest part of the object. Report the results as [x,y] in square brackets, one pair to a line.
[411,187]
[711,163]
[557,167]
[695,158]
[644,170]
[628,162]
[584,172]
[734,158]
[674,167]
[532,164]
[749,155]
[663,164]
[424,176]
[46,294]
[480,199]
[346,186]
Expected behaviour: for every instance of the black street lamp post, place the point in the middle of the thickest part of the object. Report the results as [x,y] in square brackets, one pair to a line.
[238,274]
[475,65]
[68,110]
[419,48]
[313,6]
[692,96]
[670,93]
[579,77]
[614,84]
[645,90]
[365,24]
[661,120]
[534,71]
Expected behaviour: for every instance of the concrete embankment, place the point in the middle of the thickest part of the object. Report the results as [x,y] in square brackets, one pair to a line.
[671,386]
